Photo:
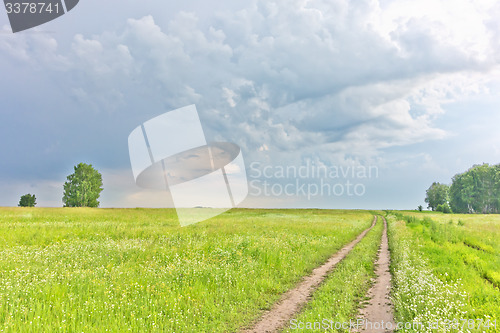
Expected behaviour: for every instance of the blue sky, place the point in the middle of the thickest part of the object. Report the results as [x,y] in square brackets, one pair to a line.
[411,88]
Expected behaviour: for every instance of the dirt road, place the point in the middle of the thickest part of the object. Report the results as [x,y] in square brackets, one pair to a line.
[293,300]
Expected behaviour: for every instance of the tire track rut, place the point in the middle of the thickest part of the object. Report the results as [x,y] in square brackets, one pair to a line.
[378,314]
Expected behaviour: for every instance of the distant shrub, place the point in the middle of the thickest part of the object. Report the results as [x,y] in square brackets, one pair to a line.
[444,208]
[27,200]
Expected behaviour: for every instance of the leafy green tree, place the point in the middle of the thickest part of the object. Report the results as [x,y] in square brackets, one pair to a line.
[420,208]
[477,190]
[437,194]
[83,187]
[27,200]
[496,187]
[461,190]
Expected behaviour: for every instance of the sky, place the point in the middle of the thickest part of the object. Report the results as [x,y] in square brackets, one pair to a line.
[387,96]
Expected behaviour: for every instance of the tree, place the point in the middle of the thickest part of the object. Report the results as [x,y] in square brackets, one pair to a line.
[83,187]
[27,200]
[437,194]
[461,193]
[420,208]
[477,190]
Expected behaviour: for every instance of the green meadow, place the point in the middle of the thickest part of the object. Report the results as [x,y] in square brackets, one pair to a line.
[96,270]
[115,270]
[446,270]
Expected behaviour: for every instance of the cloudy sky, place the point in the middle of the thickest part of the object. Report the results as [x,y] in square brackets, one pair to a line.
[409,88]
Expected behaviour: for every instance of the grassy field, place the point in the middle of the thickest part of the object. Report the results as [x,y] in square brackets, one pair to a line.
[95,270]
[476,230]
[446,269]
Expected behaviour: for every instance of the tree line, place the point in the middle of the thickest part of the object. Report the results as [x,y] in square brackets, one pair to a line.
[476,190]
[81,189]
